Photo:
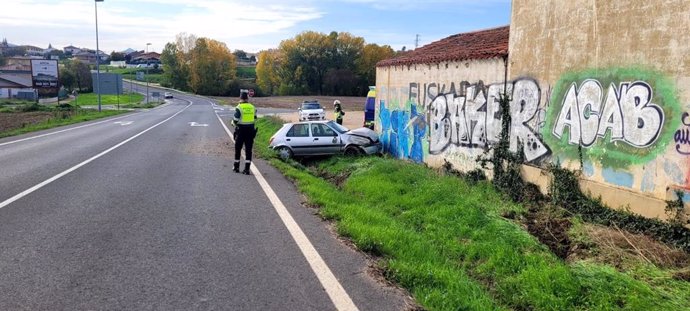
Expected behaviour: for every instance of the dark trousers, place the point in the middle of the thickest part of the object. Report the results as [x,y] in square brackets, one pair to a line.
[245,137]
[339,121]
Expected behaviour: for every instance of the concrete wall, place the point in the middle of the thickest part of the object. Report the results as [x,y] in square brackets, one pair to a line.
[610,76]
[614,79]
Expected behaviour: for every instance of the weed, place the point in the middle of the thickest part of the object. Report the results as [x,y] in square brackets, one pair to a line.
[675,210]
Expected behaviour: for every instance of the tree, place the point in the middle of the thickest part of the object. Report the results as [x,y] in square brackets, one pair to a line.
[175,69]
[366,64]
[67,78]
[117,56]
[267,69]
[82,75]
[60,54]
[212,68]
[14,51]
[240,54]
[185,42]
[315,63]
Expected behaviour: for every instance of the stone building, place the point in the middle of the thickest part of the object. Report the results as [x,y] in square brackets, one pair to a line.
[609,78]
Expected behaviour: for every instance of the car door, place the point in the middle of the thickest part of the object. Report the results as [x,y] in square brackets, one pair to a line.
[299,139]
[326,140]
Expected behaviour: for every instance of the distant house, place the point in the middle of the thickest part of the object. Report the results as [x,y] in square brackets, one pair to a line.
[71,49]
[150,58]
[33,50]
[15,79]
[89,56]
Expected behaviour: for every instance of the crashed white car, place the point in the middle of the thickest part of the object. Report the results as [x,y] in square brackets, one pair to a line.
[311,110]
[323,138]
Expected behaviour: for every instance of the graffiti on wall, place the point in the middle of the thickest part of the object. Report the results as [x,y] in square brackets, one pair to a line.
[396,126]
[682,136]
[620,117]
[473,119]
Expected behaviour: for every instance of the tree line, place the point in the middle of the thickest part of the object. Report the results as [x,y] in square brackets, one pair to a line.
[311,63]
[200,65]
[314,63]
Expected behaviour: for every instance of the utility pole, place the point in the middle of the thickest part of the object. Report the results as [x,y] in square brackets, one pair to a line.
[147,73]
[416,42]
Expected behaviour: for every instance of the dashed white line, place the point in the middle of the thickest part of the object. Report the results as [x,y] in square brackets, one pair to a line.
[72,169]
[334,289]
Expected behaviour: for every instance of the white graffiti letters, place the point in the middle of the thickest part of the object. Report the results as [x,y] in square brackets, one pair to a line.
[473,120]
[628,114]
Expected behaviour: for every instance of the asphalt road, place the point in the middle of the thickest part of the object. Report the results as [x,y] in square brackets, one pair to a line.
[143,212]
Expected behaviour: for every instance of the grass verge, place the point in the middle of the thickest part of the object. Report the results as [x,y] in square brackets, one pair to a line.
[445,240]
[60,119]
[124,99]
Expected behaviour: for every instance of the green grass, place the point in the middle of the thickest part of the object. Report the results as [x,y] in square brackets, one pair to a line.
[131,73]
[82,116]
[445,241]
[92,99]
[246,72]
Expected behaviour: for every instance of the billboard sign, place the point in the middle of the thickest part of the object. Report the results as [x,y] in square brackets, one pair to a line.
[44,73]
[111,83]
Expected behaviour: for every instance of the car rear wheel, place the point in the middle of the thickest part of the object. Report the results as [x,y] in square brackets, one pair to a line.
[284,152]
[352,151]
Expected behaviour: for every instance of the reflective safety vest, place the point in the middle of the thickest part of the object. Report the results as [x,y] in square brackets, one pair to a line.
[247,112]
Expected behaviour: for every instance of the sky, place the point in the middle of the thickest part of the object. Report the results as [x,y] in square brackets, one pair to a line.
[250,26]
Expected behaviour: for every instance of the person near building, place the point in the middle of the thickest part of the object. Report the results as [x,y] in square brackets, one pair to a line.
[339,113]
[245,131]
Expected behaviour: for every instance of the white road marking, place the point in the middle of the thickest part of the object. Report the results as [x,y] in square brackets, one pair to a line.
[335,290]
[62,131]
[194,124]
[74,168]
[124,123]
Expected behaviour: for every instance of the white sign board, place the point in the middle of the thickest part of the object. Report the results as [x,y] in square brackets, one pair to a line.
[44,73]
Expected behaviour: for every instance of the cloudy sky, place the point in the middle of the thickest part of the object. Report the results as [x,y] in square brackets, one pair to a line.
[246,25]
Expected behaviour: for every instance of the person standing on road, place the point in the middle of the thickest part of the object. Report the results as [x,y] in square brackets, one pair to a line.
[245,131]
[339,113]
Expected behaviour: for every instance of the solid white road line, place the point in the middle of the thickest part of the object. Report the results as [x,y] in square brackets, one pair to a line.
[336,292]
[72,169]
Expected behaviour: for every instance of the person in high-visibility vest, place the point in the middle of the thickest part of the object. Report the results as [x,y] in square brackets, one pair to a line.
[339,113]
[245,131]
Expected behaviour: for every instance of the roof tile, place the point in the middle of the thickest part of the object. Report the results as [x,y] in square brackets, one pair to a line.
[481,44]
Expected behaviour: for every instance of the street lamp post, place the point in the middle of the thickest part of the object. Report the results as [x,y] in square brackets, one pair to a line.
[147,74]
[98,60]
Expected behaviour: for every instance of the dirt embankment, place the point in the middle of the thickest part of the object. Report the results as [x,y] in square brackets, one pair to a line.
[13,121]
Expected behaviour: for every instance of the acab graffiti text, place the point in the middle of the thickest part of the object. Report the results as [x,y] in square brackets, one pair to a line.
[627,113]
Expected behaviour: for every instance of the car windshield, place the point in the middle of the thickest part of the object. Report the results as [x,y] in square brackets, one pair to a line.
[311,105]
[337,127]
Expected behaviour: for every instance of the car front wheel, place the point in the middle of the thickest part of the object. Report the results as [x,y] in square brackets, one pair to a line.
[352,151]
[284,152]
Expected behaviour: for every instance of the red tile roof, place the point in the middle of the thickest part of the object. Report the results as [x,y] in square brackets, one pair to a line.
[481,44]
